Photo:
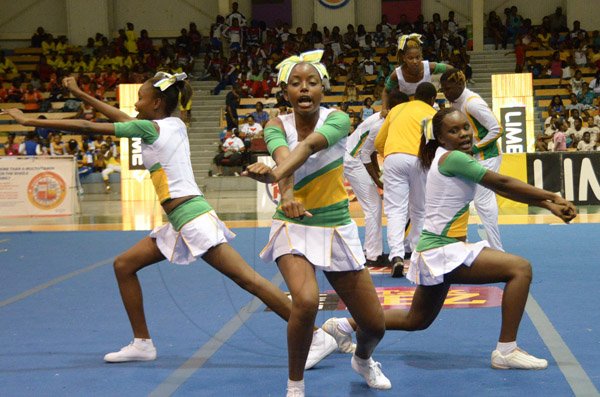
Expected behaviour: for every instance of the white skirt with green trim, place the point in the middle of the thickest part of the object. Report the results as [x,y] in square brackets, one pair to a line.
[332,249]
[193,240]
[429,267]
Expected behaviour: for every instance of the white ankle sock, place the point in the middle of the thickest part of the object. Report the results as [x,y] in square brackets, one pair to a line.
[506,348]
[295,384]
[140,342]
[361,361]
[344,325]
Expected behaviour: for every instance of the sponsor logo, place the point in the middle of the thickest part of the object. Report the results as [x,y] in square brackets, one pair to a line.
[333,3]
[574,175]
[514,123]
[463,297]
[46,190]
[135,154]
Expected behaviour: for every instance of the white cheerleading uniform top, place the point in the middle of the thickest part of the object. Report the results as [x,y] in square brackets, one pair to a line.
[166,154]
[448,195]
[410,88]
[361,144]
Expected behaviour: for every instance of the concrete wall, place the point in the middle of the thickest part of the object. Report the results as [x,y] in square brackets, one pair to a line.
[19,19]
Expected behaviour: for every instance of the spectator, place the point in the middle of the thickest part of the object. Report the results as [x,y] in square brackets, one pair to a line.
[184,41]
[216,34]
[30,146]
[38,37]
[144,43]
[576,83]
[32,99]
[235,35]
[367,110]
[586,144]
[560,138]
[232,101]
[195,39]
[586,97]
[232,150]
[519,52]
[57,146]
[111,164]
[555,66]
[235,15]
[556,105]
[42,132]
[96,144]
[130,39]
[112,147]
[48,45]
[260,115]
[350,92]
[229,76]
[6,65]
[85,160]
[11,148]
[595,84]
[250,130]
[558,21]
[15,93]
[513,23]
[577,130]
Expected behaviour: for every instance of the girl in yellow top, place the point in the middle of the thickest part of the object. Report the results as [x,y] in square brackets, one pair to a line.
[312,227]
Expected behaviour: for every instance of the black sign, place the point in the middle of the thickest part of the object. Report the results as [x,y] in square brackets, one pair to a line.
[514,125]
[575,174]
[135,154]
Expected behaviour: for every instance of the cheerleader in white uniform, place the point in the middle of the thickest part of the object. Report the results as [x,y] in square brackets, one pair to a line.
[486,148]
[194,229]
[413,70]
[361,169]
[312,227]
[443,257]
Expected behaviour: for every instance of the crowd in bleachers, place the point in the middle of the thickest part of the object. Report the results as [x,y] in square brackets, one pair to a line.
[245,54]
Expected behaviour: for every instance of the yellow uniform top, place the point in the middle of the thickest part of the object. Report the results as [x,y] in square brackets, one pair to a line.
[401,131]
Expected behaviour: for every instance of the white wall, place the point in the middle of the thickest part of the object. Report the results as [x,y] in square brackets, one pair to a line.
[19,19]
[164,18]
[330,17]
[535,10]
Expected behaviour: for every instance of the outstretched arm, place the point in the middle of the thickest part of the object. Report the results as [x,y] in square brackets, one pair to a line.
[109,111]
[516,190]
[81,126]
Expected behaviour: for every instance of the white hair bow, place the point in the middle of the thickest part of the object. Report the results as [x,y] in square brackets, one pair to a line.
[167,79]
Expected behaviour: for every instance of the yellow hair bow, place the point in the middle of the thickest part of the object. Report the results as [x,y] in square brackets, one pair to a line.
[313,57]
[167,79]
[405,37]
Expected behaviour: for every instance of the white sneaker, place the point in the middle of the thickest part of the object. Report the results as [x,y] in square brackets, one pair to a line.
[132,352]
[343,339]
[372,374]
[322,345]
[518,359]
[294,392]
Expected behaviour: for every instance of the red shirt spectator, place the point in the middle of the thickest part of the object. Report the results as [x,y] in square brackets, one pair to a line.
[32,99]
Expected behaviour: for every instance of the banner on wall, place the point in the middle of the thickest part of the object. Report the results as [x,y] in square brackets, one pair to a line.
[333,4]
[38,186]
[514,125]
[575,175]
